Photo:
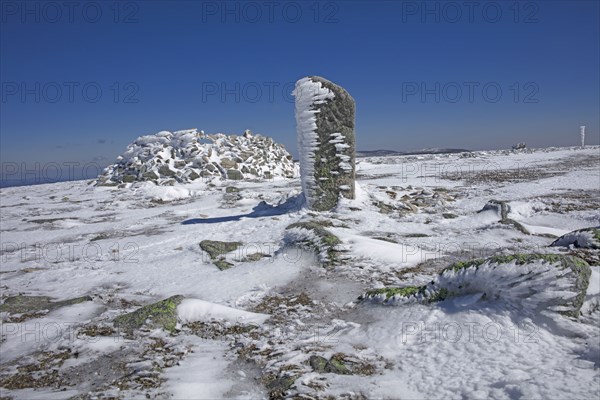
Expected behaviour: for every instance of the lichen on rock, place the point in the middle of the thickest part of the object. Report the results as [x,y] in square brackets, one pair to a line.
[326,142]
[215,248]
[313,235]
[537,282]
[25,304]
[162,314]
[587,238]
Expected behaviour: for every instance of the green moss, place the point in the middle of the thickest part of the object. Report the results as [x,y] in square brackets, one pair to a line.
[326,239]
[457,266]
[317,227]
[337,366]
[441,295]
[519,259]
[596,233]
[25,304]
[449,215]
[222,264]
[254,257]
[385,239]
[215,248]
[318,363]
[390,292]
[163,314]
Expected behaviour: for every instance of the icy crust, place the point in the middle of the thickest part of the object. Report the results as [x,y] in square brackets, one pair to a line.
[534,282]
[184,156]
[308,93]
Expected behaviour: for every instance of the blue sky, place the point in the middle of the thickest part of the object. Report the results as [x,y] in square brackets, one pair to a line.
[183,64]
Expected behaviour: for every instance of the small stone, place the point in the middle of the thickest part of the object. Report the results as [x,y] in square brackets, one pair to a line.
[162,314]
[215,248]
[129,178]
[234,175]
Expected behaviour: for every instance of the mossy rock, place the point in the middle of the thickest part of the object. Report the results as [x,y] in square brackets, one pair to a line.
[164,170]
[326,242]
[337,366]
[231,189]
[228,163]
[449,216]
[254,257]
[389,292]
[280,385]
[520,259]
[318,363]
[216,248]
[162,314]
[129,178]
[385,239]
[234,175]
[23,304]
[222,264]
[587,238]
[318,228]
[150,175]
[334,365]
[457,279]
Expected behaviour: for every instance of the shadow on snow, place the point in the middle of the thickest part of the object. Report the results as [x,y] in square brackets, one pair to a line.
[261,210]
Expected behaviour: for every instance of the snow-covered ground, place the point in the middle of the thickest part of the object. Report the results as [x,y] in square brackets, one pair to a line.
[250,330]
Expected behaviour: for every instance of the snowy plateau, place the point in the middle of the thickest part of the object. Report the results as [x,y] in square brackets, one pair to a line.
[444,278]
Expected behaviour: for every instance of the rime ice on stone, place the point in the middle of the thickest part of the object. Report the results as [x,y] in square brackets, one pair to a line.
[326,141]
[183,156]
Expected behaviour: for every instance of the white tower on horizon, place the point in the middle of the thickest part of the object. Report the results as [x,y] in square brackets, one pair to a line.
[582,131]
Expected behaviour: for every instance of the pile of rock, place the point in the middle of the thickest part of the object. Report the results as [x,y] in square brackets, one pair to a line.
[183,156]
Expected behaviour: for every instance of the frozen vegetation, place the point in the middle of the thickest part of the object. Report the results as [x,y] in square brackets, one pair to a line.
[467,275]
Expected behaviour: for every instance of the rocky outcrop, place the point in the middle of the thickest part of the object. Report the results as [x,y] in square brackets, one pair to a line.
[536,282]
[587,238]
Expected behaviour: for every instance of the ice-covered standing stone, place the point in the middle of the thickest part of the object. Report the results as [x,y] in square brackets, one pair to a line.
[582,133]
[326,141]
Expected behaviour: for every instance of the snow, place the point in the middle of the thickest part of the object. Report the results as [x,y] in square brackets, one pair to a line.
[193,310]
[193,380]
[139,244]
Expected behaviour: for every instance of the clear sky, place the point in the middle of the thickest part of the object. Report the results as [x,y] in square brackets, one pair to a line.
[81,80]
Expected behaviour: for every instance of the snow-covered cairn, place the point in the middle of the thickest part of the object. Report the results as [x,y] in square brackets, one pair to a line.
[326,141]
[183,156]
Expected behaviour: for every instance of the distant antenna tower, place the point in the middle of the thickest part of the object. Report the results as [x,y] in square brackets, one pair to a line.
[582,131]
